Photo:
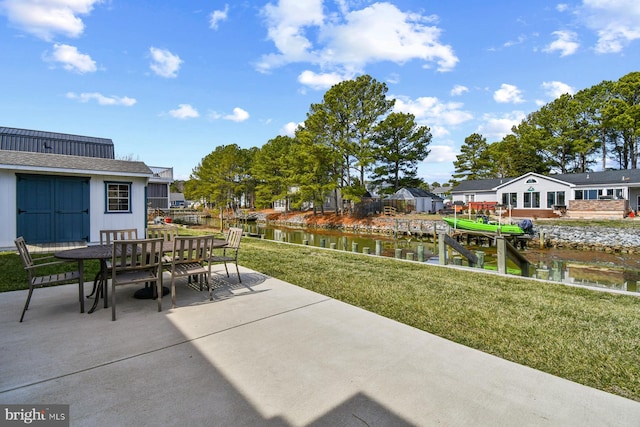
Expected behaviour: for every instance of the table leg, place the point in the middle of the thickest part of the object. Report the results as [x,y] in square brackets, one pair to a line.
[101,288]
[81,285]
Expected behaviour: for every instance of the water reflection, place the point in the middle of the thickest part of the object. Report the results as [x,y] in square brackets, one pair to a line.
[592,268]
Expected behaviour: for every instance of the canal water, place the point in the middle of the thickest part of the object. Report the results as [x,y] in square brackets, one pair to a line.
[588,268]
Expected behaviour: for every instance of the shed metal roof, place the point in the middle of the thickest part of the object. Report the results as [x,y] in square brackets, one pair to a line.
[26,161]
[55,143]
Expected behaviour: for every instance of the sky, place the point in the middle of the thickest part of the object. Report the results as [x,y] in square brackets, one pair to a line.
[169,81]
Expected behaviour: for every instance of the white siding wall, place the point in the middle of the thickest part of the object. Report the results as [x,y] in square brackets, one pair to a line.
[100,220]
[542,186]
[8,209]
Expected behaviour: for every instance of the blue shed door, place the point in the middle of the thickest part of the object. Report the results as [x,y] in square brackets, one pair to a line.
[52,209]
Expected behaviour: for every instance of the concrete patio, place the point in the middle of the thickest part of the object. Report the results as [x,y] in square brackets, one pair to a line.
[268,353]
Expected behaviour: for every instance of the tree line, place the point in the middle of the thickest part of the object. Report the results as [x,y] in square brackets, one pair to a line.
[352,141]
[595,127]
[349,142]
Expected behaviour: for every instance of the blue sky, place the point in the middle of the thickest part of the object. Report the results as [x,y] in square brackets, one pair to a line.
[168,81]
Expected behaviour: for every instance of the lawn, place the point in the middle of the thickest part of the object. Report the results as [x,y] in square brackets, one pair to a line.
[586,336]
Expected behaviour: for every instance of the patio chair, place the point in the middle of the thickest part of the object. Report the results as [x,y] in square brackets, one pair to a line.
[31,265]
[166,233]
[188,259]
[107,237]
[136,261]
[230,251]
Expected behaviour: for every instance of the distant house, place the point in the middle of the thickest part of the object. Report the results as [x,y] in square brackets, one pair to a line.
[66,188]
[444,192]
[408,200]
[177,200]
[158,190]
[610,194]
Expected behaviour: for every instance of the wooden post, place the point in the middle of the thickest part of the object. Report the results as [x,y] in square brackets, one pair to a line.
[398,253]
[501,246]
[366,250]
[480,255]
[323,243]
[410,256]
[379,247]
[542,273]
[354,247]
[442,250]
[344,243]
[541,239]
[420,253]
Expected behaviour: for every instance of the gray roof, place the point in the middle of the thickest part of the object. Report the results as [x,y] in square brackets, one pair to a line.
[22,160]
[480,184]
[415,192]
[580,179]
[55,143]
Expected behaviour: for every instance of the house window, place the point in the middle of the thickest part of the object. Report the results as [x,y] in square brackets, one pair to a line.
[588,194]
[510,199]
[555,198]
[531,181]
[532,200]
[118,196]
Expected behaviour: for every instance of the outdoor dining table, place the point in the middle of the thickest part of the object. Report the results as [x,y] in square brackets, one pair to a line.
[103,253]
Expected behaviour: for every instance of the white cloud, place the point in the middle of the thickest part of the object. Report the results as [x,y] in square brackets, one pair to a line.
[239,115]
[47,18]
[459,90]
[71,59]
[565,43]
[554,89]
[617,22]
[496,127]
[289,129]
[441,154]
[561,7]
[508,94]
[101,99]
[320,81]
[184,111]
[218,16]
[430,111]
[349,40]
[164,63]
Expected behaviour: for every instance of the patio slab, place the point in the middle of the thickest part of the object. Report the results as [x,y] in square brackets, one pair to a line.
[268,353]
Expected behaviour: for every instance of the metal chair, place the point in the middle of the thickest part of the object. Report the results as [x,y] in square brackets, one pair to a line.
[188,259]
[136,261]
[230,251]
[35,281]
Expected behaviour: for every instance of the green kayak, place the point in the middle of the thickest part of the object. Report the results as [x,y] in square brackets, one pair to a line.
[480,225]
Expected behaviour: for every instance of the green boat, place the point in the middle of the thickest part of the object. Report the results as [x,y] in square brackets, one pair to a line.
[481,225]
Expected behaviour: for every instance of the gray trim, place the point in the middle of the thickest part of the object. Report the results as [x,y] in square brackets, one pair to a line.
[22,160]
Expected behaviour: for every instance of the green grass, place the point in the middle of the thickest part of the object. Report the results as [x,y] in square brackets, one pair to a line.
[586,336]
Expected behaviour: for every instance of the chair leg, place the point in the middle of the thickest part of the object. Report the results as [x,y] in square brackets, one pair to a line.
[26,304]
[238,271]
[113,300]
[173,292]
[226,269]
[159,286]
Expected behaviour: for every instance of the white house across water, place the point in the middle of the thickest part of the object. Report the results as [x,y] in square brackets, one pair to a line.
[607,194]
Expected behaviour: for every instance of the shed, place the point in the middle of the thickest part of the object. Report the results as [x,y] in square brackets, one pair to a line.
[411,199]
[54,198]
